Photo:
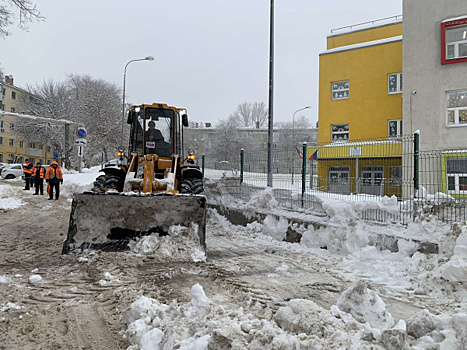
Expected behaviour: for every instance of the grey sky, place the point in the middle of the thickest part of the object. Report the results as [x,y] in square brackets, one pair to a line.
[210,55]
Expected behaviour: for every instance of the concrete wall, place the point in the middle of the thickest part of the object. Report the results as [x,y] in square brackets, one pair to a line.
[423,73]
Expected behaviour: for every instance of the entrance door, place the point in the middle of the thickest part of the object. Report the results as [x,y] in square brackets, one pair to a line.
[339,180]
[372,180]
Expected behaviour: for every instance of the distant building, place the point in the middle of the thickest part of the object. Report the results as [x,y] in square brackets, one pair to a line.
[14,149]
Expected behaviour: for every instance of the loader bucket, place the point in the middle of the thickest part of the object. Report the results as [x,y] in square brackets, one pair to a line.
[108,222]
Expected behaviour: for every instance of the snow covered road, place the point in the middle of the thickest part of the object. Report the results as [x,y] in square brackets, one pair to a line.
[251,283]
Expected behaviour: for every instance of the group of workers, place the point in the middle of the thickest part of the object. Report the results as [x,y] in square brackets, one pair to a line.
[35,175]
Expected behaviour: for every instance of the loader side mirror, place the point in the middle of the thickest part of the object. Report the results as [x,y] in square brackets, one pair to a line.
[131,116]
[184,120]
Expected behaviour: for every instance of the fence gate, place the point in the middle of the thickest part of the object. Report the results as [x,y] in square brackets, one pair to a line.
[339,179]
[372,180]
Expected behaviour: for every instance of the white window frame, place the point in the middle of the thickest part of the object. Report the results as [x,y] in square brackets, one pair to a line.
[21,144]
[398,128]
[13,95]
[12,127]
[340,90]
[456,112]
[398,83]
[455,44]
[340,132]
[2,126]
[457,189]
[11,142]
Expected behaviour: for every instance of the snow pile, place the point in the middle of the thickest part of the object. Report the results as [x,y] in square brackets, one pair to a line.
[455,270]
[9,198]
[34,279]
[108,279]
[78,183]
[4,279]
[275,227]
[181,244]
[263,199]
[10,306]
[359,321]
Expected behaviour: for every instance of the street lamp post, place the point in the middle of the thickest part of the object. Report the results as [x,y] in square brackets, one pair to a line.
[147,58]
[293,136]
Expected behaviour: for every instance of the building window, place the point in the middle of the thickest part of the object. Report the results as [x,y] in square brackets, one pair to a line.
[49,148]
[32,145]
[340,90]
[456,108]
[1,140]
[456,169]
[12,127]
[1,158]
[13,95]
[13,109]
[21,144]
[396,176]
[395,128]
[454,41]
[395,83]
[340,132]
[19,160]
[2,126]
[11,143]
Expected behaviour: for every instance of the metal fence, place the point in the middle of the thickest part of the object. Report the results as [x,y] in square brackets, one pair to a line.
[392,179]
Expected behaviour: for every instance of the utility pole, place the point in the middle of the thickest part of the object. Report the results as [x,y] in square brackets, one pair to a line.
[271,94]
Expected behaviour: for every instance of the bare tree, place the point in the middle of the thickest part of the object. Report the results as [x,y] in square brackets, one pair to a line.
[93,103]
[249,114]
[27,12]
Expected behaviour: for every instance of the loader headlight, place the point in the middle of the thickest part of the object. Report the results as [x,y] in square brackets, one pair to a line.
[119,154]
[191,157]
[191,151]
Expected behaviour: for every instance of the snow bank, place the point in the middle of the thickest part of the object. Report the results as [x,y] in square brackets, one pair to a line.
[4,279]
[455,270]
[78,183]
[9,198]
[34,279]
[181,244]
[301,324]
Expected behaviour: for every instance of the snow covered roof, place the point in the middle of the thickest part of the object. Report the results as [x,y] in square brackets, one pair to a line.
[366,26]
[34,117]
[360,143]
[363,45]
[454,19]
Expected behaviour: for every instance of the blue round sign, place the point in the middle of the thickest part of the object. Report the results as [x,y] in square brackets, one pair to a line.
[81,133]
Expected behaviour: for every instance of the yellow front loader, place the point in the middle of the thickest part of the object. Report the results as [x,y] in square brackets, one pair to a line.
[152,189]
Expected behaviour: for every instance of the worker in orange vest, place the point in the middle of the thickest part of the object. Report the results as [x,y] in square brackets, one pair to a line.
[39,174]
[54,178]
[27,171]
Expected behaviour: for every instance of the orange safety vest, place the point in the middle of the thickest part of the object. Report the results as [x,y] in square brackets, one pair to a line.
[52,174]
[28,168]
[41,172]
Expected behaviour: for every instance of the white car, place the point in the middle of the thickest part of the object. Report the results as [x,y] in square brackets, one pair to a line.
[11,171]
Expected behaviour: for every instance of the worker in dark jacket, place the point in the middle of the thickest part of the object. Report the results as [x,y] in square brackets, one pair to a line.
[38,174]
[54,178]
[27,171]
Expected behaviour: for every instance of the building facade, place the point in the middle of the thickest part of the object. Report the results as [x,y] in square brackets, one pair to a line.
[360,97]
[15,149]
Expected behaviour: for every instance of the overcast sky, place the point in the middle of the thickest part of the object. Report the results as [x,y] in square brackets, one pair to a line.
[210,55]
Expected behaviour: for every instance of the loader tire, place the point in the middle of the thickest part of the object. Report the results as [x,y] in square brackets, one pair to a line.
[106,182]
[192,186]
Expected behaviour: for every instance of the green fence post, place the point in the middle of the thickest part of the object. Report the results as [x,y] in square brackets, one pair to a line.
[242,157]
[304,154]
[202,163]
[416,155]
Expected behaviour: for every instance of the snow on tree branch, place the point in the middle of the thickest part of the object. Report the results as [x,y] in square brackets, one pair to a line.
[27,12]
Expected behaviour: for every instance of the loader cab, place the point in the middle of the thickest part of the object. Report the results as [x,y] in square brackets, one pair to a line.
[155,129]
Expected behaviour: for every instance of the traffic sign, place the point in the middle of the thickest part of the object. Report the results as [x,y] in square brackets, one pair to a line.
[80,151]
[80,142]
[55,155]
[81,132]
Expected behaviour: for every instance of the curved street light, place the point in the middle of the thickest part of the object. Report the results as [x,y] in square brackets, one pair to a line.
[293,136]
[147,58]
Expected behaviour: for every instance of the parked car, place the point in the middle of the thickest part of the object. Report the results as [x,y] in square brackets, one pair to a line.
[11,171]
[2,165]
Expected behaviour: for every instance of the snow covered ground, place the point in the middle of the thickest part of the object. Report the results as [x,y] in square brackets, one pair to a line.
[254,292]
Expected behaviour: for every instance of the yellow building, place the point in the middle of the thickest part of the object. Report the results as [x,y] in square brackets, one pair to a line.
[360,98]
[14,149]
